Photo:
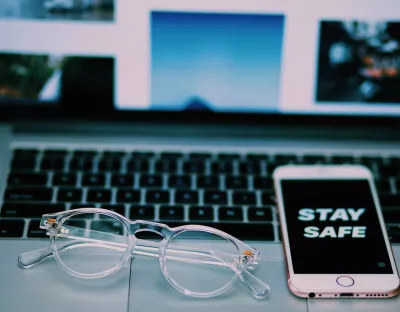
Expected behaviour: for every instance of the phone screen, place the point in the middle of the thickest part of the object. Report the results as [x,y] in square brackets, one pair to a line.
[333,227]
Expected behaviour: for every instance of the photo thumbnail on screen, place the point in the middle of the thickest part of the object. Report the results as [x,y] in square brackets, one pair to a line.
[38,78]
[359,61]
[216,61]
[81,10]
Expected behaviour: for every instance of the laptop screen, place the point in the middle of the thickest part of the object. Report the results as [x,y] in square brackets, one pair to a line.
[254,56]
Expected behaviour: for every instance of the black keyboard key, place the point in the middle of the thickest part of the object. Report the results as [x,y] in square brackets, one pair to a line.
[314,159]
[12,228]
[34,230]
[20,179]
[69,195]
[98,196]
[386,171]
[110,227]
[395,160]
[204,213]
[250,167]
[151,180]
[171,155]
[268,198]
[286,159]
[391,215]
[263,183]
[85,153]
[215,198]
[383,186]
[186,197]
[114,154]
[194,166]
[180,181]
[166,166]
[64,179]
[392,169]
[236,182]
[257,156]
[28,210]
[60,153]
[138,165]
[243,231]
[110,164]
[142,212]
[342,159]
[128,196]
[222,167]
[94,179]
[157,197]
[224,156]
[208,182]
[394,234]
[259,214]
[378,160]
[23,163]
[171,213]
[116,208]
[28,194]
[387,200]
[244,198]
[81,164]
[52,163]
[200,155]
[122,180]
[230,214]
[142,154]
[25,152]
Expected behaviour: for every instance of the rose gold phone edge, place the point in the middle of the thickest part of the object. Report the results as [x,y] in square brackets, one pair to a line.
[390,293]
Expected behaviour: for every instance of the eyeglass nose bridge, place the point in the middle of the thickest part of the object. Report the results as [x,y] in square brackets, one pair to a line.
[143,226]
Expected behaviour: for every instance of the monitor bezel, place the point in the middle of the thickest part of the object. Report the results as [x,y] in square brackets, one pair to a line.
[106,112]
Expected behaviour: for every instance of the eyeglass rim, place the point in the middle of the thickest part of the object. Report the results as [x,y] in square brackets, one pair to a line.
[173,283]
[167,234]
[61,216]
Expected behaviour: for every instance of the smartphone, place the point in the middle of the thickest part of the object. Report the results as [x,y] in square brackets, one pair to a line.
[333,233]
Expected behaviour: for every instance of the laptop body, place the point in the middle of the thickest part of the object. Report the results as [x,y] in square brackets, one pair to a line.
[193,106]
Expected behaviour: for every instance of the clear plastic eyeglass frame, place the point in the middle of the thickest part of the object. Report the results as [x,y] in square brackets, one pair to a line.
[246,259]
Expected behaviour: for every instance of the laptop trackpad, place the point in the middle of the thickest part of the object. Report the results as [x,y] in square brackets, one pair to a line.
[151,292]
[47,288]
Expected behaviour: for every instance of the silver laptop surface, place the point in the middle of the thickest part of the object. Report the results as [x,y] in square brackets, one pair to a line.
[178,112]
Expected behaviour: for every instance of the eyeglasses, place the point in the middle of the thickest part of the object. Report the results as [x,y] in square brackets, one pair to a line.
[198,261]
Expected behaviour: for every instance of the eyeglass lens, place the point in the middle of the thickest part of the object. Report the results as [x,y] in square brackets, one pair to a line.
[92,252]
[200,262]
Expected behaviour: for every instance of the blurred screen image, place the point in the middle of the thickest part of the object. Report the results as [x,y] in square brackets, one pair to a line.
[55,78]
[261,57]
[216,61]
[83,10]
[359,61]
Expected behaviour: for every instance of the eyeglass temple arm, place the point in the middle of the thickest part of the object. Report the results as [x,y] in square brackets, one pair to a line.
[145,248]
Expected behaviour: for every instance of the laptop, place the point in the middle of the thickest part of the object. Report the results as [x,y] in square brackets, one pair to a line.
[178,112]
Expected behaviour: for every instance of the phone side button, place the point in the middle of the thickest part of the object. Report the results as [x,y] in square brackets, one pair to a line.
[345,281]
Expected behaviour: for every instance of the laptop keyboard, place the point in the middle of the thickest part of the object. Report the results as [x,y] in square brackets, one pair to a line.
[229,191]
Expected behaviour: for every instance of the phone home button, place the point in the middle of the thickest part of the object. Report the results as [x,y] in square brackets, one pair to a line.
[345,281]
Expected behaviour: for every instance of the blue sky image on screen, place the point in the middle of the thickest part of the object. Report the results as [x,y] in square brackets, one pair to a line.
[228,62]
